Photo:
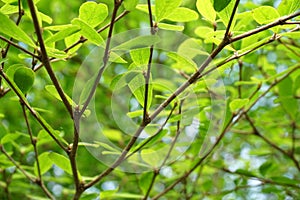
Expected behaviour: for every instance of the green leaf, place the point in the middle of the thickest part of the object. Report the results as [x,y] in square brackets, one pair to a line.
[163,8]
[137,87]
[145,181]
[9,28]
[265,14]
[182,63]
[52,90]
[8,138]
[219,5]
[140,56]
[205,8]
[120,196]
[88,32]
[66,31]
[151,157]
[182,14]
[286,98]
[265,167]
[244,172]
[61,161]
[237,104]
[170,27]
[288,6]
[138,42]
[130,4]
[92,13]
[24,78]
[9,9]
[113,134]
[285,180]
[226,13]
[44,162]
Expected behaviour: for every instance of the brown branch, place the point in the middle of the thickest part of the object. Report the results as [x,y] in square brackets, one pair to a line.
[39,181]
[45,59]
[41,121]
[117,4]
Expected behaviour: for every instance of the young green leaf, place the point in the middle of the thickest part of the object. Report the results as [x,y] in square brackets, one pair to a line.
[63,33]
[24,78]
[61,161]
[138,42]
[182,14]
[163,8]
[170,27]
[206,9]
[137,87]
[140,56]
[130,4]
[288,6]
[265,14]
[92,13]
[225,14]
[88,32]
[44,162]
[8,27]
[182,63]
[219,5]
[52,90]
[151,157]
[237,104]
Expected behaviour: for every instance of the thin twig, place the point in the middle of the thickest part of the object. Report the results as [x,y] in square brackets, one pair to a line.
[39,181]
[156,171]
[148,73]
[117,4]
[29,177]
[41,121]
[10,42]
[45,58]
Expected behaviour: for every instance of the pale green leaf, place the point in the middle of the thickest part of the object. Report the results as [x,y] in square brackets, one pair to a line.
[288,6]
[139,42]
[92,13]
[8,27]
[88,32]
[140,56]
[151,157]
[237,104]
[182,14]
[66,30]
[61,161]
[226,13]
[45,163]
[113,134]
[130,4]
[206,9]
[182,63]
[163,8]
[265,14]
[53,92]
[170,27]
[9,9]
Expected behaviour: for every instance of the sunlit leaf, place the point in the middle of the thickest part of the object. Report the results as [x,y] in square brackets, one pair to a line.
[164,8]
[9,28]
[182,14]
[44,163]
[205,7]
[92,13]
[88,32]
